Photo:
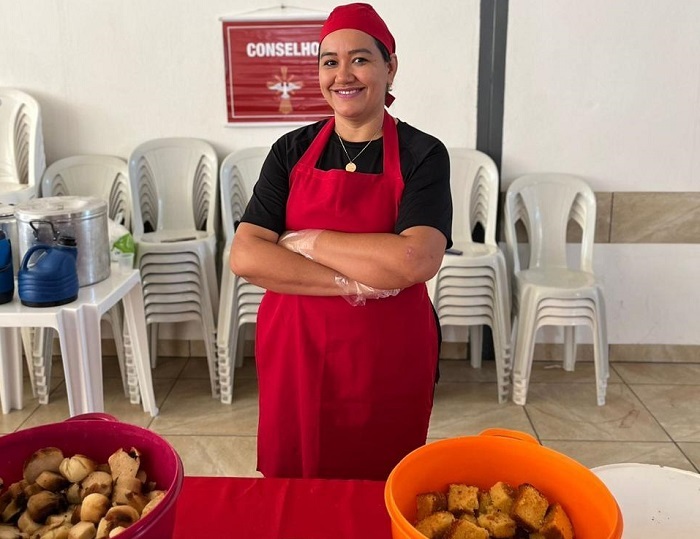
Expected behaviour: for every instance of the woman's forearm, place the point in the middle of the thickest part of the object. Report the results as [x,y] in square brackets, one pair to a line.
[257,258]
[382,260]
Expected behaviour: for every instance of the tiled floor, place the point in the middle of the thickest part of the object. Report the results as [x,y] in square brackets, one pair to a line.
[652,413]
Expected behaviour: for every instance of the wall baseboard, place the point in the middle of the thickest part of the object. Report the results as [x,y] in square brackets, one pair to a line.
[662,353]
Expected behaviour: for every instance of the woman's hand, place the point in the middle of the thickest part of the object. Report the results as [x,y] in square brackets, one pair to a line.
[356,294]
[300,241]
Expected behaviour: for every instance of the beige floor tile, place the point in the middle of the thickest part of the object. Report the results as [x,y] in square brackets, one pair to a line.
[570,412]
[692,451]
[553,372]
[115,403]
[191,410]
[468,408]
[169,367]
[16,418]
[660,373]
[592,454]
[460,370]
[676,407]
[196,367]
[217,455]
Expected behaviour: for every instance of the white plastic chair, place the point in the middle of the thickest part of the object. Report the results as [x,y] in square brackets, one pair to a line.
[105,177]
[22,160]
[480,271]
[174,188]
[239,299]
[550,289]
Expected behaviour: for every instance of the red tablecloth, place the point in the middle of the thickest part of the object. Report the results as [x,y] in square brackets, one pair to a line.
[223,507]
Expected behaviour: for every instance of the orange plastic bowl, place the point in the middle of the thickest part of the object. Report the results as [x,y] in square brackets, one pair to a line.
[98,436]
[501,455]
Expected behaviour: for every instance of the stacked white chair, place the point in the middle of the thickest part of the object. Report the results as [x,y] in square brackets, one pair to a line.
[471,289]
[552,287]
[174,189]
[240,299]
[105,177]
[22,160]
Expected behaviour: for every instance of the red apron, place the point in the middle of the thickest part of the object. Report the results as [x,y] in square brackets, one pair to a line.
[345,392]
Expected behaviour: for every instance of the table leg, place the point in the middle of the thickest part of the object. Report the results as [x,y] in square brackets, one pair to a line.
[136,324]
[10,369]
[79,333]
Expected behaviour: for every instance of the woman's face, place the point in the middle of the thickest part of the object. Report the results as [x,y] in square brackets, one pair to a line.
[353,75]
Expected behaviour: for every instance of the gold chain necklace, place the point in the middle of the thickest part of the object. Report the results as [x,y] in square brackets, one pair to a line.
[351,166]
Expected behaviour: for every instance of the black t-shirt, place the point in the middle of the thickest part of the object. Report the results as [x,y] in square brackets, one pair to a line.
[425,167]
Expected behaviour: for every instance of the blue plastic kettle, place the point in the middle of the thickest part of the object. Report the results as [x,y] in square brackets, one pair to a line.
[48,275]
[7,275]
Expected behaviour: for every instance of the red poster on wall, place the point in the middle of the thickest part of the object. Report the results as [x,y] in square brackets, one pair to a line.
[272,71]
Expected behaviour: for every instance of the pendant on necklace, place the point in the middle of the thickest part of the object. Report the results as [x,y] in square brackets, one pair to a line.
[351,167]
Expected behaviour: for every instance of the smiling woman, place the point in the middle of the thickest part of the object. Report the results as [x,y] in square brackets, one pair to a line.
[351,215]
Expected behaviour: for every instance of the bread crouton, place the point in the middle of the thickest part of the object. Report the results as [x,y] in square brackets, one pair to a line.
[434,526]
[485,502]
[462,499]
[557,524]
[502,495]
[529,507]
[498,524]
[463,529]
[428,503]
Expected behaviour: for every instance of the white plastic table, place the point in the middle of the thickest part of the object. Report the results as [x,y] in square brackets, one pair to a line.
[78,327]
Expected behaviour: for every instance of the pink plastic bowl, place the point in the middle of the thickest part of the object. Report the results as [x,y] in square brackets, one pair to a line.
[98,436]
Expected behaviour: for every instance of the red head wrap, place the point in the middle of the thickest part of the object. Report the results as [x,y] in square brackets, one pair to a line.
[359,16]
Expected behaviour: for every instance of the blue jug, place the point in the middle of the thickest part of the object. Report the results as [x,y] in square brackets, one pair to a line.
[48,275]
[7,274]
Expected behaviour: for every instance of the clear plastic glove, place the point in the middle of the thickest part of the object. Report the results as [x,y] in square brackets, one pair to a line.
[300,241]
[357,294]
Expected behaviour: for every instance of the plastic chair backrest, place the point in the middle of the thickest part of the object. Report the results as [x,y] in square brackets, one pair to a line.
[102,176]
[474,186]
[546,203]
[240,171]
[22,157]
[169,176]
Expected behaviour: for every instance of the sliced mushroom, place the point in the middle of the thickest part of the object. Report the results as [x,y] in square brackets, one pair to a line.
[73,494]
[124,463]
[137,501]
[116,531]
[153,503]
[9,532]
[96,482]
[26,524]
[77,468]
[43,504]
[125,485]
[122,515]
[83,530]
[94,507]
[52,481]
[53,531]
[103,529]
[32,489]
[46,459]
[12,510]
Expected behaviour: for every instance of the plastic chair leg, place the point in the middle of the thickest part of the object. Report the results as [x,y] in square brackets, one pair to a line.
[476,341]
[136,326]
[569,348]
[154,344]
[523,350]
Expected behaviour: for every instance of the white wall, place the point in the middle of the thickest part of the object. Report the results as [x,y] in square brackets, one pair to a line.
[611,91]
[110,74]
[607,90]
